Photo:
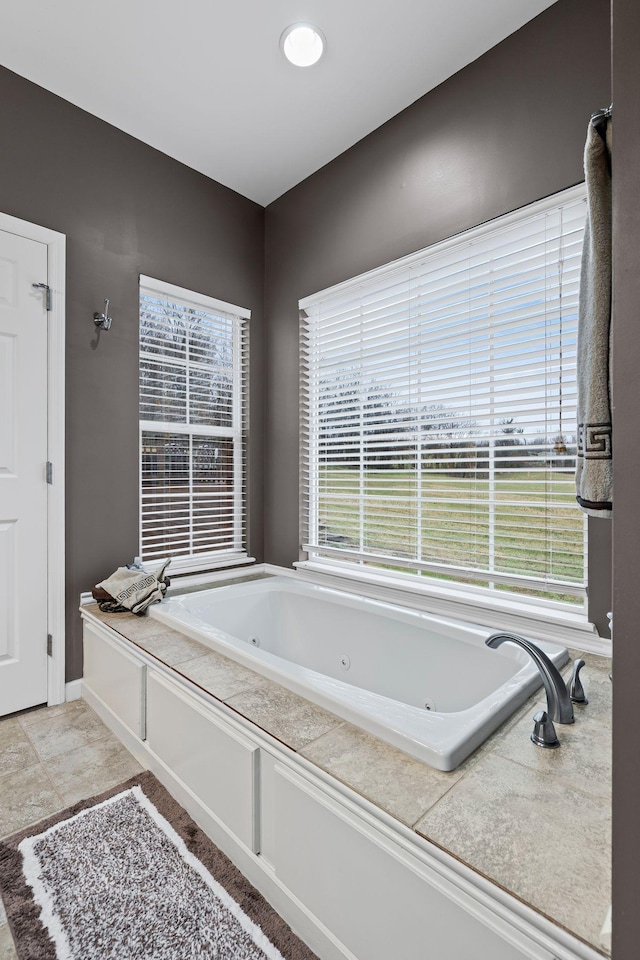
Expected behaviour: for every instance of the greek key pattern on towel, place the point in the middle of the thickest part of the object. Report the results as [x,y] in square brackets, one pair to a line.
[594,441]
[136,587]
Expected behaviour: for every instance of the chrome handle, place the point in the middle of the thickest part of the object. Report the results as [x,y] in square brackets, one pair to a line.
[576,690]
[544,732]
[47,293]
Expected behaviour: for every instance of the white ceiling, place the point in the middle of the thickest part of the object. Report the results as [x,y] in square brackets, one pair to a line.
[205,82]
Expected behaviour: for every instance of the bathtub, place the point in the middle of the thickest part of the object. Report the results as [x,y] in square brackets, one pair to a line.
[426,684]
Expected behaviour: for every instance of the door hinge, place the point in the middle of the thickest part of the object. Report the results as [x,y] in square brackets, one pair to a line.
[47,293]
[49,472]
[49,645]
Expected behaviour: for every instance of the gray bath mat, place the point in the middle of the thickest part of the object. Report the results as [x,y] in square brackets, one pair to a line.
[129,875]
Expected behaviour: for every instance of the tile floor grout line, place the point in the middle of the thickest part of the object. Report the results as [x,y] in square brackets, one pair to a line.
[30,766]
[52,782]
[101,736]
[68,706]
[33,823]
[62,806]
[44,760]
[41,763]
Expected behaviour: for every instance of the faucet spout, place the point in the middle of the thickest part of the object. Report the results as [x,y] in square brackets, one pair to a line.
[559,706]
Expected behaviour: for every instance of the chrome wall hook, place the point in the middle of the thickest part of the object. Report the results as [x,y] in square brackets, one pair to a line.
[103,320]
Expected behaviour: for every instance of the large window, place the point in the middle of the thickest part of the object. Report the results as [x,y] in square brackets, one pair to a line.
[439,404]
[193,409]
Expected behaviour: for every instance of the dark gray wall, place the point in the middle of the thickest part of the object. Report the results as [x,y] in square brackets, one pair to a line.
[505,131]
[626,446]
[126,209]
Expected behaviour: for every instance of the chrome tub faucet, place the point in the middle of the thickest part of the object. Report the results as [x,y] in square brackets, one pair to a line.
[559,706]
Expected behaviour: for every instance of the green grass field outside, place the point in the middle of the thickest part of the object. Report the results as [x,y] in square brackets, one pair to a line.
[445,518]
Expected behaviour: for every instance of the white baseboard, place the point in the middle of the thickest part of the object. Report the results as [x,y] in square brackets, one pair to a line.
[73,690]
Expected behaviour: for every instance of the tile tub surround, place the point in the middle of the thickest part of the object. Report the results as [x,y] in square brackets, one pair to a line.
[519,815]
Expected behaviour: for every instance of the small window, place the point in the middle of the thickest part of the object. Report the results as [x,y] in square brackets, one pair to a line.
[193,413]
[438,408]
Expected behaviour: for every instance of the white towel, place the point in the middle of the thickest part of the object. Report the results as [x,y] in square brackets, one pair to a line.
[594,462]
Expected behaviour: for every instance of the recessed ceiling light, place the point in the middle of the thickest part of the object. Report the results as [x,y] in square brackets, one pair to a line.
[302,44]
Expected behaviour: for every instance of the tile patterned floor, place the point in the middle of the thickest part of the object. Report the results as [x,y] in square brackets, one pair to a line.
[50,758]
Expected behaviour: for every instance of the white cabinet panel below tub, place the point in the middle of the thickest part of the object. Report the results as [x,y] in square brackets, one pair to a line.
[117,678]
[378,900]
[206,754]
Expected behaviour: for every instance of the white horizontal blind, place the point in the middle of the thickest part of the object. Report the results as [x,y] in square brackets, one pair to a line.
[193,414]
[439,404]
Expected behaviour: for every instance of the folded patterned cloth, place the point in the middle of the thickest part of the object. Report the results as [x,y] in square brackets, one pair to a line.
[133,589]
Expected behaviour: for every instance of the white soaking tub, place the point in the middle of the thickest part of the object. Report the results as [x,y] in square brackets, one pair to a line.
[426,684]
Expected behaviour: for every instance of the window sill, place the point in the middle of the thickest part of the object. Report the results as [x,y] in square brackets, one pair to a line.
[546,621]
[223,569]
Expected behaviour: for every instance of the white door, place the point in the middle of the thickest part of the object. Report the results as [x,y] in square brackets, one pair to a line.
[23,480]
